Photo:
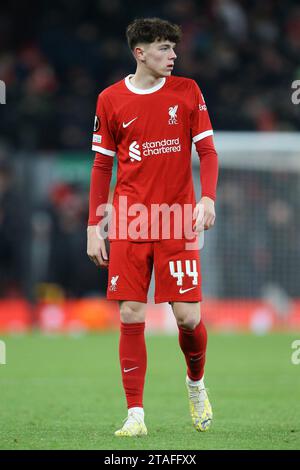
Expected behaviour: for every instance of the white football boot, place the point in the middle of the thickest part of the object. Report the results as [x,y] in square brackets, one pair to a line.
[200,408]
[133,426]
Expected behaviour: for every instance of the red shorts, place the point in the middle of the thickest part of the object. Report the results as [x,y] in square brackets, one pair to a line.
[177,271]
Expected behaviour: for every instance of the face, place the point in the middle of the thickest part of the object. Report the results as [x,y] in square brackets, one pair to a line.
[158,57]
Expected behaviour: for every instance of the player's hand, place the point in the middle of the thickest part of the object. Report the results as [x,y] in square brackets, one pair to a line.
[204,214]
[96,249]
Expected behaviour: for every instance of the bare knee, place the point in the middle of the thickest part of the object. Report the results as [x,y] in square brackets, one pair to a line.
[132,312]
[189,323]
[187,314]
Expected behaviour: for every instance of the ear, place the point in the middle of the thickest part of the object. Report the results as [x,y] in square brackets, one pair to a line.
[139,53]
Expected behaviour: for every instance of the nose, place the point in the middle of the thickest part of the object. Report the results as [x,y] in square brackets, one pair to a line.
[173,55]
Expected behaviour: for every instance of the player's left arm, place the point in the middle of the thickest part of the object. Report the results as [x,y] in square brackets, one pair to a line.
[202,135]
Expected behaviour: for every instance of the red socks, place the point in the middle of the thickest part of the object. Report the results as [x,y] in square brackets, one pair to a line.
[133,357]
[193,345]
[133,361]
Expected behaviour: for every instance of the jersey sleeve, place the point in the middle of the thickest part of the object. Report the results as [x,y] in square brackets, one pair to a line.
[99,186]
[103,141]
[200,123]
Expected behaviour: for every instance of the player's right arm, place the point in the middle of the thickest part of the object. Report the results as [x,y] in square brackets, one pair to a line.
[103,144]
[99,190]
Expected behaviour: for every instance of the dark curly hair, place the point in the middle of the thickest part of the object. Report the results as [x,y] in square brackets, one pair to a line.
[151,29]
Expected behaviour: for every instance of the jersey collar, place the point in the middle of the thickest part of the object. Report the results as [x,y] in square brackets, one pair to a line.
[139,91]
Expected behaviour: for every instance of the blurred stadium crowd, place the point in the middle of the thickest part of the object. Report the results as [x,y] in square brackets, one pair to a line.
[56,58]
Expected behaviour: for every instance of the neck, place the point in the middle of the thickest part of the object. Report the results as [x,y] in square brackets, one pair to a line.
[144,80]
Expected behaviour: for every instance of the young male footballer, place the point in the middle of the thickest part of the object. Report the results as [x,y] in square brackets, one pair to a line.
[148,121]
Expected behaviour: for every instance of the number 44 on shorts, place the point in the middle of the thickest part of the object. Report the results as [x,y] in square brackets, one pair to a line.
[179,274]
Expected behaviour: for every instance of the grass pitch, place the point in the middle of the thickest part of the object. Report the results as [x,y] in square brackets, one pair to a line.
[61,392]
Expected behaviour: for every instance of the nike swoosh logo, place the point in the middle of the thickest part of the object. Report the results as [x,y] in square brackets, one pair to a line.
[182,291]
[126,124]
[128,370]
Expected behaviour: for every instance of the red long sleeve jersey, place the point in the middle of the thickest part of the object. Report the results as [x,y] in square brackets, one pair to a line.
[151,132]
